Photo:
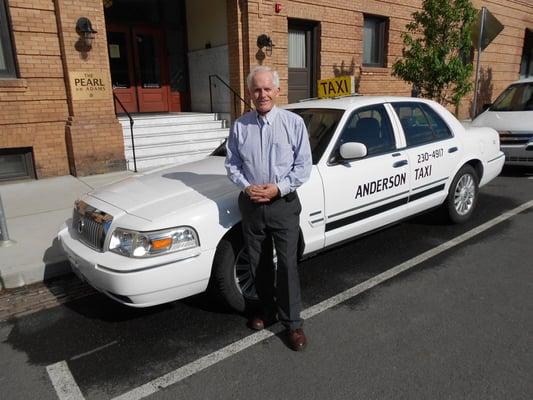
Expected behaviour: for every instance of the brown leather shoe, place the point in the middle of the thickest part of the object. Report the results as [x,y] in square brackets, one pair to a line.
[258,323]
[297,339]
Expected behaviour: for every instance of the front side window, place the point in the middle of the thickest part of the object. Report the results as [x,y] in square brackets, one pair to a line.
[374,41]
[420,123]
[7,65]
[370,126]
[517,97]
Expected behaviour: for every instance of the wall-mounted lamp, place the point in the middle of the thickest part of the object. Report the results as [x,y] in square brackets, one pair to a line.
[264,42]
[84,28]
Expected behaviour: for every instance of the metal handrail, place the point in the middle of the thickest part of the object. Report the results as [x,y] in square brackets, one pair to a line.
[235,94]
[131,130]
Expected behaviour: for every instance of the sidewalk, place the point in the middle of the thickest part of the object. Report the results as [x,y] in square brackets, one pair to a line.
[35,210]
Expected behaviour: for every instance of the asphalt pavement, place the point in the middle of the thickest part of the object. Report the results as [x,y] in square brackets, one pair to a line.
[457,325]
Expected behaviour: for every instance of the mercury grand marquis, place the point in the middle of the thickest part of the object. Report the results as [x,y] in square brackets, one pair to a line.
[175,232]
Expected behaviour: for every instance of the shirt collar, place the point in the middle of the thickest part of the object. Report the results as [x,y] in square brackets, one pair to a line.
[269,116]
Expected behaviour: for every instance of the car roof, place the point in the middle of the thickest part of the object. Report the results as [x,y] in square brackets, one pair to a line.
[523,80]
[350,102]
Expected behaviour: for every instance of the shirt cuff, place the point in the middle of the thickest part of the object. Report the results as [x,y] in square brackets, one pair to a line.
[284,188]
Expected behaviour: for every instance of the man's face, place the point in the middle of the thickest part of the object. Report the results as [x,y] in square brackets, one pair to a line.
[263,92]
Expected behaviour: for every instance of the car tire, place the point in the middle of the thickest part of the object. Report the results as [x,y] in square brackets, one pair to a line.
[231,280]
[462,195]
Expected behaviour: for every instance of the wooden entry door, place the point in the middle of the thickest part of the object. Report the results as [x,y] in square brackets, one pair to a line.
[302,61]
[139,68]
[150,67]
[122,70]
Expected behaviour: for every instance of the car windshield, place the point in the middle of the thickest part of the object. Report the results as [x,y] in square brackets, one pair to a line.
[518,97]
[321,124]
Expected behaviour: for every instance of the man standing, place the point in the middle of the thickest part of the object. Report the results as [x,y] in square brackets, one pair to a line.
[269,157]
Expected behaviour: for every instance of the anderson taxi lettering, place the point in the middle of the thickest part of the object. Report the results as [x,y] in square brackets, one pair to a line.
[380,185]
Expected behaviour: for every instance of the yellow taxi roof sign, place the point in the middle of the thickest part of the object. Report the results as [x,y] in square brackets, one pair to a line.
[335,87]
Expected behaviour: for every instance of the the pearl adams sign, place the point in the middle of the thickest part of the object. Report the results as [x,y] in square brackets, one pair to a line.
[89,85]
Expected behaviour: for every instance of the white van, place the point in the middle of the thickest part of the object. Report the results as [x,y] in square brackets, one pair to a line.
[512,116]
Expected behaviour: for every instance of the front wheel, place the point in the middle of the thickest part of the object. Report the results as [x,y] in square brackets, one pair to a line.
[462,196]
[232,280]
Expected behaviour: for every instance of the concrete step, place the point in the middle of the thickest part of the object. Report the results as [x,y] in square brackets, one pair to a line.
[176,137]
[146,120]
[167,159]
[162,139]
[206,145]
[174,128]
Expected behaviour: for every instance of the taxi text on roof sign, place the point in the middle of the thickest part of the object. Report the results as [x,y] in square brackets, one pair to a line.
[341,86]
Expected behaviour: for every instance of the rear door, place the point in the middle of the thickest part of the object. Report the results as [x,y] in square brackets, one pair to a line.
[432,151]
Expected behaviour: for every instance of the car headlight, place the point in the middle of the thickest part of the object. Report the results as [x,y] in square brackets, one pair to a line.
[148,244]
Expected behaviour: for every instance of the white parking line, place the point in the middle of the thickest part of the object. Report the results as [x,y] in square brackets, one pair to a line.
[94,350]
[248,341]
[63,381]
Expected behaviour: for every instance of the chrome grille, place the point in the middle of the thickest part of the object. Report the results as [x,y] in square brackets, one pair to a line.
[516,138]
[91,225]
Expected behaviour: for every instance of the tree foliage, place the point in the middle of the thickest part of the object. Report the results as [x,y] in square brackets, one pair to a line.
[436,53]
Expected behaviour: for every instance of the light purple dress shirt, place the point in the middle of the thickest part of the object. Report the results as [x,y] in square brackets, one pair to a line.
[270,149]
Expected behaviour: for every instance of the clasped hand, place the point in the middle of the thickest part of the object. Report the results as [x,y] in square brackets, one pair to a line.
[262,193]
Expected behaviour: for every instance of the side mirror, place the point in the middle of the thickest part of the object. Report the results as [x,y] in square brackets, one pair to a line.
[352,150]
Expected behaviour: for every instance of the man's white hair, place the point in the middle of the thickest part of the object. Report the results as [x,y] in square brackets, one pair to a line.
[259,69]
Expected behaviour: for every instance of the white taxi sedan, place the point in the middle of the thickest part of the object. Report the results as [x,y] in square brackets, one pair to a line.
[175,232]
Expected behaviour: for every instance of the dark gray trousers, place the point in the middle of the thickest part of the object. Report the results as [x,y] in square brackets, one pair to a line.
[277,221]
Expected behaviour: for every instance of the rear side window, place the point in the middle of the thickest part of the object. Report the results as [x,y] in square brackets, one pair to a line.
[370,126]
[420,123]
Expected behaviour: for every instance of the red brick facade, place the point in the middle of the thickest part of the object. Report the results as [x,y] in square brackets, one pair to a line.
[341,41]
[84,137]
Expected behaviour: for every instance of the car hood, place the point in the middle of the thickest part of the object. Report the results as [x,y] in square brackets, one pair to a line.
[519,121]
[165,191]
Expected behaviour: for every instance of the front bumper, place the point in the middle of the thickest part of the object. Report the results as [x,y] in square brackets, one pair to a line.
[518,154]
[139,282]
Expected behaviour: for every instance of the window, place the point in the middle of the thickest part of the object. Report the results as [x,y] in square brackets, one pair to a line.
[526,64]
[16,163]
[370,126]
[296,49]
[374,49]
[517,97]
[7,66]
[421,124]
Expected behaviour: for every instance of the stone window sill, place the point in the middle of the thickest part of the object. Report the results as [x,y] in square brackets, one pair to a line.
[375,70]
[13,85]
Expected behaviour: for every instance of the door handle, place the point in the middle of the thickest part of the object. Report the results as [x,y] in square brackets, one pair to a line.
[452,149]
[400,163]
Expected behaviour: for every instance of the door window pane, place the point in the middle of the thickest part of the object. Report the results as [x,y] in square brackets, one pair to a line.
[118,59]
[415,124]
[7,65]
[297,58]
[149,62]
[370,126]
[374,41]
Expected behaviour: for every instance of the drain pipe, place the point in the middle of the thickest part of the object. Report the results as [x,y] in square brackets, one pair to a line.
[4,235]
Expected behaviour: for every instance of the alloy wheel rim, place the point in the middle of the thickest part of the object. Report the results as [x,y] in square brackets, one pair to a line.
[243,275]
[465,192]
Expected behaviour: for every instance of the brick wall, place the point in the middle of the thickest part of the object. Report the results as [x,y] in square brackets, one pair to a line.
[33,108]
[36,110]
[341,42]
